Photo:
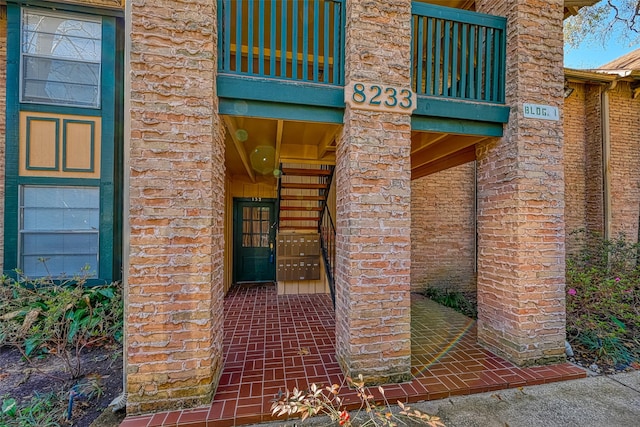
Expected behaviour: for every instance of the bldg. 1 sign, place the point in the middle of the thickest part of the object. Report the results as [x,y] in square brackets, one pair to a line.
[543,112]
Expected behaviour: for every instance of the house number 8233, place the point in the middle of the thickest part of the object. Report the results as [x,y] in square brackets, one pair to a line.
[364,96]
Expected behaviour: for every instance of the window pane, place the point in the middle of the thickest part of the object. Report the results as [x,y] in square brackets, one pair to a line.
[61,226]
[61,57]
[45,244]
[64,82]
[60,197]
[59,266]
[61,37]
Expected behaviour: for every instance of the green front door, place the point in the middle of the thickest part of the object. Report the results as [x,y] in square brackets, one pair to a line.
[253,240]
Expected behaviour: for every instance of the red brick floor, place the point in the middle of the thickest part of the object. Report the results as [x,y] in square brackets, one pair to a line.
[273,343]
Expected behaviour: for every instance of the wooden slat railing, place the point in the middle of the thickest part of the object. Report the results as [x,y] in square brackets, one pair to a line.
[458,54]
[300,40]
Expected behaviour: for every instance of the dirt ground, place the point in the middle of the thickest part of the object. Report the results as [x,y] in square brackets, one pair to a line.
[21,380]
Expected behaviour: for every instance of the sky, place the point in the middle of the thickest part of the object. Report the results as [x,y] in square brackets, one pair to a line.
[594,54]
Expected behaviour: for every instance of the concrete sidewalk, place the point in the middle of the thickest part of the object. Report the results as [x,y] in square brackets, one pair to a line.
[611,401]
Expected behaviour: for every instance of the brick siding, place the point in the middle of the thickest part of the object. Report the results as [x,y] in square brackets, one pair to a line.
[373,219]
[521,196]
[624,162]
[443,230]
[176,197]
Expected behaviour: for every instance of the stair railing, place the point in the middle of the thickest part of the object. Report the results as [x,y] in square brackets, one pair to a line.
[327,232]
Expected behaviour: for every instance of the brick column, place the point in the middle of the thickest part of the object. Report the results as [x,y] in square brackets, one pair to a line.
[176,196]
[521,231]
[373,201]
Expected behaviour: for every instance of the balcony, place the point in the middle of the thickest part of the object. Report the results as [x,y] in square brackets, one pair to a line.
[284,53]
[283,62]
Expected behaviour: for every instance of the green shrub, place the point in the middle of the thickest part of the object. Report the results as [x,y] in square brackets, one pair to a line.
[44,317]
[42,410]
[453,299]
[603,298]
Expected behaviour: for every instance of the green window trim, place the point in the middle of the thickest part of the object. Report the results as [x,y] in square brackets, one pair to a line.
[92,167]
[56,162]
[110,105]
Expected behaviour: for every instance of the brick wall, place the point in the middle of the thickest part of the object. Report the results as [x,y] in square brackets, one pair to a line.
[624,162]
[176,198]
[443,230]
[373,201]
[521,195]
[586,205]
[3,123]
[575,163]
[593,163]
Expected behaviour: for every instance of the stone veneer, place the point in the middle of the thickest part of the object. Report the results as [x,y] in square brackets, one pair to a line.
[521,229]
[373,198]
[176,198]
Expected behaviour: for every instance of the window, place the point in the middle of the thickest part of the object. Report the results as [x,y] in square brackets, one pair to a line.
[255,227]
[60,59]
[59,229]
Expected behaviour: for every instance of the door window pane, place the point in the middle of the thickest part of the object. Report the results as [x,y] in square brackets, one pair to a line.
[256,225]
[59,230]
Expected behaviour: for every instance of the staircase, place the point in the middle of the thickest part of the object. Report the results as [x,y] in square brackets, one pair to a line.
[302,208]
[302,196]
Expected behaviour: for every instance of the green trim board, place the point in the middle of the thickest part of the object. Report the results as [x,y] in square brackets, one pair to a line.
[60,109]
[12,139]
[95,9]
[107,155]
[456,126]
[283,91]
[459,15]
[56,159]
[62,182]
[458,109]
[92,142]
[274,110]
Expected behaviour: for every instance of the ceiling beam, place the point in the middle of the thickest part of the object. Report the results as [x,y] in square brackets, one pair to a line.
[279,129]
[442,149]
[232,128]
[421,140]
[327,142]
[458,158]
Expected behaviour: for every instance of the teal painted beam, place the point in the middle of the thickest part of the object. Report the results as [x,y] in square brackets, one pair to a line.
[279,91]
[459,15]
[457,109]
[281,111]
[93,8]
[457,126]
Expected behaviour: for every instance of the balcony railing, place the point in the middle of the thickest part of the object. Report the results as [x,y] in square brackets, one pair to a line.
[300,40]
[458,54]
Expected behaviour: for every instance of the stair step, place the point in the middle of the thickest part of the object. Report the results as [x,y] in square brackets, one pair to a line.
[306,172]
[303,186]
[297,227]
[301,208]
[299,218]
[295,197]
